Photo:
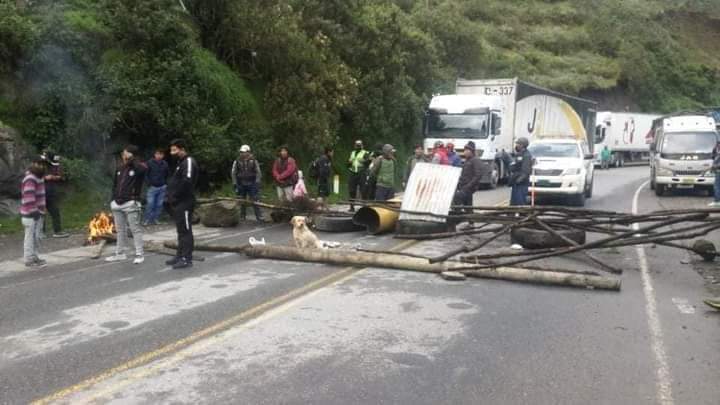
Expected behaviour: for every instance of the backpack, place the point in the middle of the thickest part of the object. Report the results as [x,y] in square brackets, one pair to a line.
[314,171]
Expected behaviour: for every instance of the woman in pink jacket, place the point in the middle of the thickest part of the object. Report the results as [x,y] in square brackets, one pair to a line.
[285,173]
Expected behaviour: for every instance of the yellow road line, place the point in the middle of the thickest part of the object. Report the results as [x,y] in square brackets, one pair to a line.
[205,333]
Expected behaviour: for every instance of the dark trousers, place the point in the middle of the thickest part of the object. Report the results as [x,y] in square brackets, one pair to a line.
[716,191]
[249,191]
[356,183]
[182,215]
[384,193]
[53,208]
[324,187]
[518,195]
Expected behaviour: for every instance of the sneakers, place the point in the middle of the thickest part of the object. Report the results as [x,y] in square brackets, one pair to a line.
[139,259]
[173,261]
[36,262]
[61,235]
[116,258]
[182,263]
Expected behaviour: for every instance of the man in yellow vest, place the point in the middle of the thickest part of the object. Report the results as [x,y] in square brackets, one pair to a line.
[357,165]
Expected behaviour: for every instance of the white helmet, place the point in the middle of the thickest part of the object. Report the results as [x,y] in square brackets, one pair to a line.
[245,148]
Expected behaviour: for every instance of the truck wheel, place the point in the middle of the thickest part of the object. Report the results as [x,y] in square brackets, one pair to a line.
[532,238]
[494,177]
[589,190]
[659,190]
[578,200]
[652,184]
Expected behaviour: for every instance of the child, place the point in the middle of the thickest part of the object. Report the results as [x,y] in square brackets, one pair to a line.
[32,209]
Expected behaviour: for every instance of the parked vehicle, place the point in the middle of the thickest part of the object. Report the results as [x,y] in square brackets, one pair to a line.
[494,113]
[563,167]
[681,154]
[627,135]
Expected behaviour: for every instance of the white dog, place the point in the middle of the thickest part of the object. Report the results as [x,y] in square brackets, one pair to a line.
[304,237]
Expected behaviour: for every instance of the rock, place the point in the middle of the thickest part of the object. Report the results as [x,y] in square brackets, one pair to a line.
[15,157]
[453,276]
[705,249]
[223,214]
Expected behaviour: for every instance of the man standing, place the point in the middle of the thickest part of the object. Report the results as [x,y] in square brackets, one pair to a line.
[125,204]
[417,157]
[285,173]
[53,178]
[470,177]
[32,209]
[453,158]
[605,158]
[156,175]
[520,171]
[716,170]
[323,170]
[382,170]
[247,178]
[356,166]
[181,197]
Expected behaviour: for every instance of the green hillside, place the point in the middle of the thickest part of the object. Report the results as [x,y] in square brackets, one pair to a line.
[84,76]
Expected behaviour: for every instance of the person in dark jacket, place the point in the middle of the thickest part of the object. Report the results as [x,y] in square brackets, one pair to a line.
[181,198]
[716,170]
[54,177]
[417,157]
[247,178]
[472,173]
[156,177]
[520,171]
[453,158]
[125,204]
[323,168]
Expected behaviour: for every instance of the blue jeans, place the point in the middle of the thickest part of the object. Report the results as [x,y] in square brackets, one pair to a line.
[249,191]
[518,195]
[155,199]
[717,187]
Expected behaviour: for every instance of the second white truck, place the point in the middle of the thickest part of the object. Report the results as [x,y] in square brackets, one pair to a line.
[627,135]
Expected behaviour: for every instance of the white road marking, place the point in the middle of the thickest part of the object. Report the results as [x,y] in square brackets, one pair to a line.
[664,380]
[125,311]
[684,306]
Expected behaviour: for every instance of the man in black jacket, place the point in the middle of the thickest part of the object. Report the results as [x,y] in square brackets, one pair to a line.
[125,204]
[520,171]
[323,168]
[472,173]
[181,198]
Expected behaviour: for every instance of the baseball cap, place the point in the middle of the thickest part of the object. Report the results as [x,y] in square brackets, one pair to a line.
[245,148]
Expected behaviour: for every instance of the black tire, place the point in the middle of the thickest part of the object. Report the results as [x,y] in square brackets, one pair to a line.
[578,200]
[659,190]
[652,182]
[332,223]
[532,238]
[407,227]
[589,190]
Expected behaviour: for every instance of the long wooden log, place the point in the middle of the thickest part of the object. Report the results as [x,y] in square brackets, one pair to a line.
[211,248]
[446,235]
[345,258]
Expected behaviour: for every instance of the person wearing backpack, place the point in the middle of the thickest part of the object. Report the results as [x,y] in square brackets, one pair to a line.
[247,178]
[383,171]
[321,169]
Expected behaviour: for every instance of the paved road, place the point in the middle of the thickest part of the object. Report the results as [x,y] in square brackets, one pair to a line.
[258,331]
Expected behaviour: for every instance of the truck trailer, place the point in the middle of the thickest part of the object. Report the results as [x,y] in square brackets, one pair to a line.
[494,113]
[627,135]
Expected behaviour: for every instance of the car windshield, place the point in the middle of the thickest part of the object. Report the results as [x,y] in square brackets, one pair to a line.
[689,142]
[458,126]
[554,150]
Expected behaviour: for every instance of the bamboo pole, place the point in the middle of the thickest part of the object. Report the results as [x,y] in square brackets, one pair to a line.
[345,258]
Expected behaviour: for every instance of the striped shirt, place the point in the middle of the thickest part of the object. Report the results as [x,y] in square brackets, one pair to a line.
[33,195]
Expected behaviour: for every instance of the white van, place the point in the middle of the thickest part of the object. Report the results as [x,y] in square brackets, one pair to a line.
[681,155]
[563,167]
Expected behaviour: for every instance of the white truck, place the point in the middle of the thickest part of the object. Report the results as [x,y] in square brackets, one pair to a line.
[626,134]
[681,154]
[494,113]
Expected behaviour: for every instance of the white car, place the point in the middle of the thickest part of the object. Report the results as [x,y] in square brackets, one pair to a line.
[563,167]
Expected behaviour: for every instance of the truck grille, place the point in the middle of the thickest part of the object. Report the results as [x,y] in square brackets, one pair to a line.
[688,173]
[548,172]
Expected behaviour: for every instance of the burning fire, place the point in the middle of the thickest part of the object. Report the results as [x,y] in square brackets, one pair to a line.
[100,226]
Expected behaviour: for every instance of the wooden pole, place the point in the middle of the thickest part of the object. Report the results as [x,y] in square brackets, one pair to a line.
[345,258]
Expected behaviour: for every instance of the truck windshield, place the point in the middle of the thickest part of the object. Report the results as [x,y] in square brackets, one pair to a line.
[689,142]
[458,125]
[554,150]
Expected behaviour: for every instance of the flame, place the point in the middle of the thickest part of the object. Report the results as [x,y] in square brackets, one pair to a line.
[101,225]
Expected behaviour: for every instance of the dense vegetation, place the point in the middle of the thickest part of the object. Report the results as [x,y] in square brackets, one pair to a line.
[85,76]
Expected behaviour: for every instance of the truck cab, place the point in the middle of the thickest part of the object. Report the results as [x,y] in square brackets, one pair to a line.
[682,153]
[458,119]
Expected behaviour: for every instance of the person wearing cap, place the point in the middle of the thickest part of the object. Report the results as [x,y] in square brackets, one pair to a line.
[453,158]
[125,204]
[357,167]
[520,171]
[383,171]
[247,179]
[417,157]
[156,177]
[54,177]
[439,155]
[470,177]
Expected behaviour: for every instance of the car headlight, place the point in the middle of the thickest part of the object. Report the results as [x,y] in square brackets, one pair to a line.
[661,171]
[708,173]
[571,172]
